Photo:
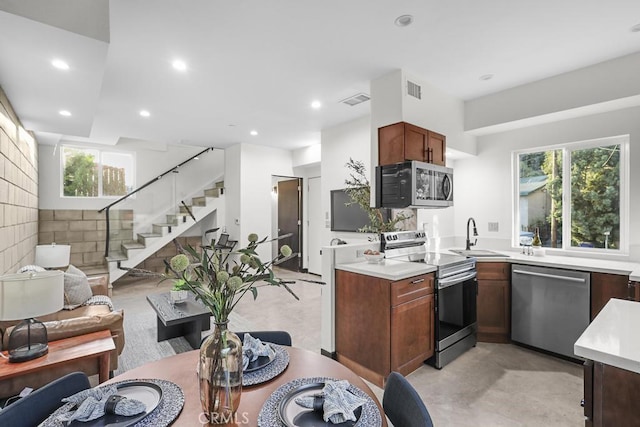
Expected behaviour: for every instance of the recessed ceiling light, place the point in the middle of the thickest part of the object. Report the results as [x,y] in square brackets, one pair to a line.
[65,113]
[60,64]
[404,20]
[316,105]
[635,28]
[486,77]
[145,113]
[179,65]
[254,132]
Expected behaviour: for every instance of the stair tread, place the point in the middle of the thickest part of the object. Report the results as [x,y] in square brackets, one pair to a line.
[149,235]
[116,256]
[164,224]
[133,245]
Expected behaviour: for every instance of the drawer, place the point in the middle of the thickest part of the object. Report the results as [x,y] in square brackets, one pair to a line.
[493,270]
[409,289]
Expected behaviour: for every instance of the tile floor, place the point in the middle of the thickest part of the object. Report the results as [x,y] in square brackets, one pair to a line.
[490,385]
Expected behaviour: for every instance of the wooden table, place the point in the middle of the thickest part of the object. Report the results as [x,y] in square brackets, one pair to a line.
[188,318]
[96,345]
[181,369]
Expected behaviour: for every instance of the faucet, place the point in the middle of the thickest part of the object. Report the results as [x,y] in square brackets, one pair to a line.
[475,233]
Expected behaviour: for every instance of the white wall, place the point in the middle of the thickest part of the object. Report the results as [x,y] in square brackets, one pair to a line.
[484,183]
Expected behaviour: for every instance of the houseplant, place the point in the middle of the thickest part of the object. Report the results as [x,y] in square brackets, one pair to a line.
[359,190]
[219,279]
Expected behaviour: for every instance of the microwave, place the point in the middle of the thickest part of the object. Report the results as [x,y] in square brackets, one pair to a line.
[414,184]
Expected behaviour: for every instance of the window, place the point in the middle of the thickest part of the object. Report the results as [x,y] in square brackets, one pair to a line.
[575,195]
[88,172]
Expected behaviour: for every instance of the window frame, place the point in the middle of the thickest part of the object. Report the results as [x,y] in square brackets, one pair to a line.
[101,152]
[567,149]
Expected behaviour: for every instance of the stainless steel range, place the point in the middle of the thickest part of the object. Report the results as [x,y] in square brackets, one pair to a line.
[456,292]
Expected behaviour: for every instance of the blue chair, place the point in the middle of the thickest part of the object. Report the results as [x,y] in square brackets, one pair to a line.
[402,403]
[34,408]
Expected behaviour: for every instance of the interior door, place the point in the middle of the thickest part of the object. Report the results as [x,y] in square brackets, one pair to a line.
[314,226]
[290,220]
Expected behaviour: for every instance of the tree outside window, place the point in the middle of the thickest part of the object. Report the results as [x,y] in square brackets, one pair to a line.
[573,195]
[95,173]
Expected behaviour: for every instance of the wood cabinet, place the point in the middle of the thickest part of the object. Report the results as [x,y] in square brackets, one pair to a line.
[382,325]
[494,301]
[610,395]
[403,141]
[606,286]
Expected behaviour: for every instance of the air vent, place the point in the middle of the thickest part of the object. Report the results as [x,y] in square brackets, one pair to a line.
[356,99]
[414,89]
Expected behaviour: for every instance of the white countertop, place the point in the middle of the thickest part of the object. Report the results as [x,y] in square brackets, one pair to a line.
[612,338]
[387,269]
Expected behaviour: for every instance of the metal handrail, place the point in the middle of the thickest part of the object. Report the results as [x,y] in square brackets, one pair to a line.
[159,177]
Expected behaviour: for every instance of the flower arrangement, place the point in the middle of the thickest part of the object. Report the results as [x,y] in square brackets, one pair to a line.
[221,278]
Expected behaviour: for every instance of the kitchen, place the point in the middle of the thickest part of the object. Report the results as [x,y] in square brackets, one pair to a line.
[483,182]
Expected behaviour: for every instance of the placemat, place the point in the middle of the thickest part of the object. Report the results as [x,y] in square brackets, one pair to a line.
[270,371]
[269,417]
[164,414]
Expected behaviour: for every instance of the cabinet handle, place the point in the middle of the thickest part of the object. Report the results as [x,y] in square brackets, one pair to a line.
[415,282]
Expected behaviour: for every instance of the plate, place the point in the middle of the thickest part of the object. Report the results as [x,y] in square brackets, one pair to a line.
[261,361]
[294,415]
[148,393]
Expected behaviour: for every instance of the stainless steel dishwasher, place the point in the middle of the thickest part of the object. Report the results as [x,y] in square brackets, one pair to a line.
[549,307]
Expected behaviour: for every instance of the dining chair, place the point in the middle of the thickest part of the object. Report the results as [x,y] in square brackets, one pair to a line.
[34,408]
[402,403]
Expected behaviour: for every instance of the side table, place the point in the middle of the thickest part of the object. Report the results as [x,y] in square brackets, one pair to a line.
[96,345]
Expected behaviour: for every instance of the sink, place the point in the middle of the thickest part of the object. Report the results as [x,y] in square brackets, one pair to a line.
[478,253]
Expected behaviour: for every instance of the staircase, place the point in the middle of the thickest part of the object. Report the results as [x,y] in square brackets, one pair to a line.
[130,254]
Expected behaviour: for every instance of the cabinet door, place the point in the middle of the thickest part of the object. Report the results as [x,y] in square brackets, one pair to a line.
[634,293]
[615,396]
[493,310]
[391,144]
[415,143]
[493,270]
[412,334]
[606,286]
[436,149]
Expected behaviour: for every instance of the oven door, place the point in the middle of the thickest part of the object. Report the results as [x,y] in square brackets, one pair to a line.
[456,313]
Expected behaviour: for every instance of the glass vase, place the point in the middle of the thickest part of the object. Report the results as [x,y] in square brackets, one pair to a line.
[220,374]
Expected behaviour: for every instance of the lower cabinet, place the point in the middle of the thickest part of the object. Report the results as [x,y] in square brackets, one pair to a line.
[610,396]
[494,301]
[605,286]
[382,325]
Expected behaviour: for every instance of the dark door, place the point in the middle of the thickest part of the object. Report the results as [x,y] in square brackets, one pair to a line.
[290,220]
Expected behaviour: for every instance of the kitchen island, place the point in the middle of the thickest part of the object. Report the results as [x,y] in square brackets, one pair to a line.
[611,345]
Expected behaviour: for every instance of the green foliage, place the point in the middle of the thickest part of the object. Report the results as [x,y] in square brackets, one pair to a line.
[359,190]
[80,176]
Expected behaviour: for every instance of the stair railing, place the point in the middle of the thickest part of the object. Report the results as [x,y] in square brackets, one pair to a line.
[126,196]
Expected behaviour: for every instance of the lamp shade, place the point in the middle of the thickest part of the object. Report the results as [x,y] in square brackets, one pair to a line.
[27,295]
[52,256]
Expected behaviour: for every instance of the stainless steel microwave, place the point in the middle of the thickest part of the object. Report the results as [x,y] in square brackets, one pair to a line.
[414,184]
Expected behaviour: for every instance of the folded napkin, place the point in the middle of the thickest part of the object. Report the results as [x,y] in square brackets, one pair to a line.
[87,405]
[337,402]
[252,348]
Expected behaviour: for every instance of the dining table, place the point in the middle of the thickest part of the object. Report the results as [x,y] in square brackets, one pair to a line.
[181,370]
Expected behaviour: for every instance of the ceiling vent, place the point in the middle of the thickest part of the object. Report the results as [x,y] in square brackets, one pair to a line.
[414,89]
[356,99]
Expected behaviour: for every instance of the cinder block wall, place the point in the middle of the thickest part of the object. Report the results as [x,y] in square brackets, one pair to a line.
[18,191]
[85,231]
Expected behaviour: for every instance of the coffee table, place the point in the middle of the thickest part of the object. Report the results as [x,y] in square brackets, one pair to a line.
[187,319]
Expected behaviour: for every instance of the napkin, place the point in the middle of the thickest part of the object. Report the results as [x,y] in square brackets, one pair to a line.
[94,403]
[338,404]
[252,348]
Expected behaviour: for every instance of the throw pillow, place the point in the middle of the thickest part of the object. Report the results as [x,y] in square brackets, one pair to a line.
[31,269]
[76,288]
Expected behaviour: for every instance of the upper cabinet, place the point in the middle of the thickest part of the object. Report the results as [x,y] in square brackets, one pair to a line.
[403,141]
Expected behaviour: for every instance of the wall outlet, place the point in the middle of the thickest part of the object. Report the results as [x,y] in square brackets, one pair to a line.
[493,226]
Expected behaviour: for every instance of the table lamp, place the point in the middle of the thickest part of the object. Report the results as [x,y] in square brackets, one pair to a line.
[52,256]
[25,296]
